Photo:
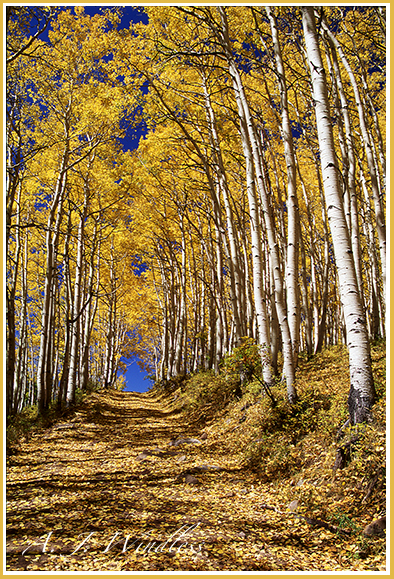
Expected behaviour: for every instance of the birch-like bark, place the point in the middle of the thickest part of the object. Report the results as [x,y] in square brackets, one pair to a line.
[56,209]
[203,316]
[223,186]
[305,301]
[379,212]
[20,363]
[377,307]
[195,301]
[255,175]
[160,292]
[367,96]
[62,391]
[292,282]
[109,345]
[75,321]
[322,318]
[218,293]
[91,297]
[362,391]
[14,264]
[349,162]
[180,352]
[256,250]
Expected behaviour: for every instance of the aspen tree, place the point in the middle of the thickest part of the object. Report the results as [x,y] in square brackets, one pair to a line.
[362,391]
[292,282]
[248,134]
[377,321]
[52,237]
[379,212]
[91,297]
[224,188]
[75,321]
[349,165]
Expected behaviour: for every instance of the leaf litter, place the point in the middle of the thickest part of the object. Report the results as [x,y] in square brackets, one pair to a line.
[133,483]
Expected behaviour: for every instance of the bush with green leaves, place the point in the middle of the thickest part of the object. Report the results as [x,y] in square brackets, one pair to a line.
[246,361]
[208,392]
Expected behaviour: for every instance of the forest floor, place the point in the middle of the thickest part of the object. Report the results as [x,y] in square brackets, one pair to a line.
[130,482]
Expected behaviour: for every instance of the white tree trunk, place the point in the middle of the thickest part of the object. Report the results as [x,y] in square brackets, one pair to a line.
[379,213]
[75,322]
[377,309]
[362,392]
[254,170]
[349,163]
[52,235]
[234,258]
[292,281]
[255,233]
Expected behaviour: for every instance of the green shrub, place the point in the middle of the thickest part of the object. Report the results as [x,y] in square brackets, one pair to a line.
[246,362]
[170,385]
[20,427]
[80,396]
[207,392]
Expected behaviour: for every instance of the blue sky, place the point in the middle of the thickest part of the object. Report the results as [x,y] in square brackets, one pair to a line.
[135,381]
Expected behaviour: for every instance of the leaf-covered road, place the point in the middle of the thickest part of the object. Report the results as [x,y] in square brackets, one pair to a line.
[84,496]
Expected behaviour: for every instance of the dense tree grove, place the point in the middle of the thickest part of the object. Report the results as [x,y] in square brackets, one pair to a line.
[254,206]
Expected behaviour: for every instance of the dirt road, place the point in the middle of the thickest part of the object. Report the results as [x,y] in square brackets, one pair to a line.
[126,485]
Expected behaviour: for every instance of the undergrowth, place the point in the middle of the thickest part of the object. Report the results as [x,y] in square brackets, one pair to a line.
[293,447]
[205,394]
[22,426]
